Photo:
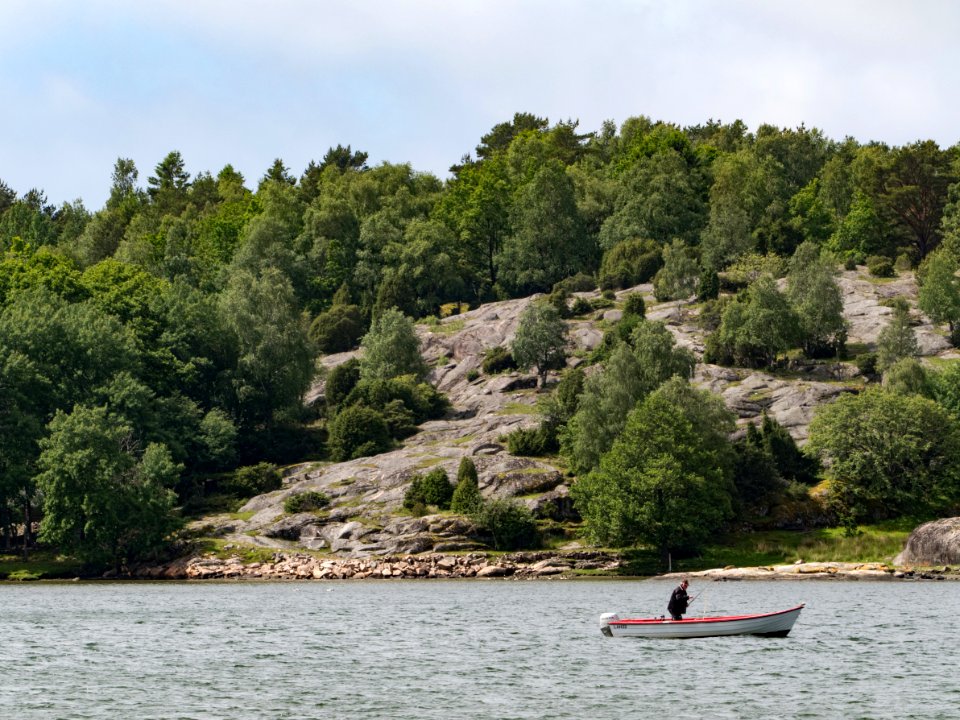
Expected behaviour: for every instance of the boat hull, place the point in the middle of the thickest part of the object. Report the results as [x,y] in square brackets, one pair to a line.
[777,624]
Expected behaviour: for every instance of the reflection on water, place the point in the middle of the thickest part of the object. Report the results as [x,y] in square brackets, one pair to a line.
[470,649]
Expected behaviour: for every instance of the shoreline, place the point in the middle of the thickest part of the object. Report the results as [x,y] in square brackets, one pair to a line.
[532,565]
[518,565]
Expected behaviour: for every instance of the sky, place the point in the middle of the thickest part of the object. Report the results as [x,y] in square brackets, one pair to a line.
[242,83]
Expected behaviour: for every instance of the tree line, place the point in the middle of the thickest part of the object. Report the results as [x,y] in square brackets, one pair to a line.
[172,334]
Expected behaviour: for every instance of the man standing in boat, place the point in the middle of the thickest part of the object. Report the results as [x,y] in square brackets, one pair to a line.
[678,601]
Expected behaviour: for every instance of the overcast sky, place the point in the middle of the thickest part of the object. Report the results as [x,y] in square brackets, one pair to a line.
[83,83]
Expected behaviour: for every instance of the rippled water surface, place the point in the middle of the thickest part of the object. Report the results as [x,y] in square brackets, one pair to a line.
[471,649]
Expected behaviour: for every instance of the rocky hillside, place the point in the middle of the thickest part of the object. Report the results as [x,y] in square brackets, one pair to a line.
[366,493]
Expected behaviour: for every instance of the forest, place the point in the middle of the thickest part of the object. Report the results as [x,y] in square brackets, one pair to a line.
[160,348]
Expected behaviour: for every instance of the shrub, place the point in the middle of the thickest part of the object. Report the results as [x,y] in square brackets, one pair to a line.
[341,381]
[400,419]
[634,305]
[850,264]
[630,263]
[531,442]
[509,523]
[434,488]
[559,298]
[880,266]
[423,400]
[254,480]
[581,282]
[866,363]
[903,263]
[608,295]
[472,374]
[497,360]
[338,330]
[709,286]
[358,431]
[581,306]
[467,499]
[305,502]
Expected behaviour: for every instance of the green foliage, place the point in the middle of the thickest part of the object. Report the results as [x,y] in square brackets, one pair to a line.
[103,501]
[497,360]
[754,328]
[434,488]
[897,340]
[540,340]
[421,400]
[818,302]
[940,288]
[467,499]
[531,442]
[254,480]
[880,266]
[866,363]
[305,502]
[341,382]
[667,479]
[631,373]
[548,241]
[678,277]
[337,330]
[391,348]
[511,524]
[634,305]
[907,377]
[755,475]
[708,287]
[581,282]
[630,262]
[888,455]
[357,431]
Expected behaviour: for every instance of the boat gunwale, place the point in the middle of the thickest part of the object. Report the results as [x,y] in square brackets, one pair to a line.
[703,620]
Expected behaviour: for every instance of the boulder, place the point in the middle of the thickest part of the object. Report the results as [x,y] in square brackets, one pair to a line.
[933,543]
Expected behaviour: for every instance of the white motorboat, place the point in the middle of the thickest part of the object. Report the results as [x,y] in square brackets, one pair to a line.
[775,624]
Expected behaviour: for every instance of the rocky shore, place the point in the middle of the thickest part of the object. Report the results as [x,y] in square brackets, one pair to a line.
[529,565]
[300,566]
[825,571]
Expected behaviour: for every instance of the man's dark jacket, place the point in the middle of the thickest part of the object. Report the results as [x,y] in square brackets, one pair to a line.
[678,602]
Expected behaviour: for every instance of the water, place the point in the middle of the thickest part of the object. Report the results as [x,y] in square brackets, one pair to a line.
[471,649]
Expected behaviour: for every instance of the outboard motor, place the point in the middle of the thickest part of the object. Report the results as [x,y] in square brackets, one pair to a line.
[605,621]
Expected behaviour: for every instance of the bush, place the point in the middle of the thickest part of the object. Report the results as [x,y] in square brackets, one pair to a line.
[254,480]
[434,488]
[866,363]
[903,263]
[400,419]
[305,502]
[532,442]
[472,374]
[358,431]
[880,266]
[498,360]
[630,263]
[341,381]
[850,264]
[338,330]
[709,286]
[467,499]
[608,294]
[634,305]
[510,523]
[423,400]
[581,306]
[581,282]
[560,298]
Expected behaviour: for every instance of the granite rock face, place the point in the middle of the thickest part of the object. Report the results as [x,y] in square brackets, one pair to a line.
[933,543]
[366,494]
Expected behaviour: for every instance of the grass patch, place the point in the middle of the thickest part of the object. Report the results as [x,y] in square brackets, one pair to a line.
[41,565]
[515,408]
[448,327]
[872,543]
[429,462]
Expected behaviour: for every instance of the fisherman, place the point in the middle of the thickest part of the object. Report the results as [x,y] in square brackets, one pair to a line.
[678,601]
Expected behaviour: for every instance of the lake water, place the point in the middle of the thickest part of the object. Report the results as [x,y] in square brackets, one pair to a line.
[470,649]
